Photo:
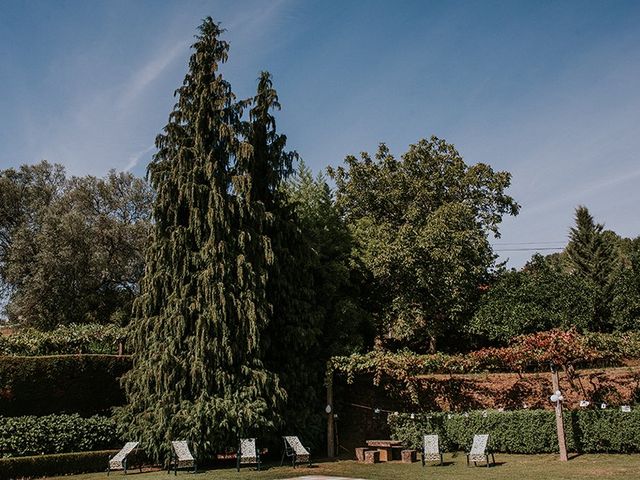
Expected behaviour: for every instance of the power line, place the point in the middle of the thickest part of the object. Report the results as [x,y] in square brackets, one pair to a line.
[528,243]
[526,249]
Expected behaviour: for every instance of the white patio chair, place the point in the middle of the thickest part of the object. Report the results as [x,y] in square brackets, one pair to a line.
[119,461]
[431,451]
[248,453]
[181,457]
[294,449]
[479,451]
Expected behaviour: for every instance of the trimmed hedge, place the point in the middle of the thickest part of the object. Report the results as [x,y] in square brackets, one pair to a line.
[66,339]
[524,431]
[32,435]
[61,464]
[85,384]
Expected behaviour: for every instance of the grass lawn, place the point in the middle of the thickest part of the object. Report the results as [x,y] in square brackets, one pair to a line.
[517,467]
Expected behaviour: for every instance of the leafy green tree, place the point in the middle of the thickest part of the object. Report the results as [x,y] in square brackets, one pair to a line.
[591,254]
[541,296]
[72,249]
[338,276]
[625,304]
[200,319]
[24,195]
[421,224]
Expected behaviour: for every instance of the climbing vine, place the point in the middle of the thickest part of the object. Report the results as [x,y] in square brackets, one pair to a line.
[535,352]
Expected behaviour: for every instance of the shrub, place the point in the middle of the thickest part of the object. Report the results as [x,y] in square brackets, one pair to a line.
[32,435]
[89,338]
[85,384]
[60,464]
[524,431]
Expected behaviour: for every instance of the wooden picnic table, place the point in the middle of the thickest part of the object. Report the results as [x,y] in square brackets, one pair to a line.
[387,448]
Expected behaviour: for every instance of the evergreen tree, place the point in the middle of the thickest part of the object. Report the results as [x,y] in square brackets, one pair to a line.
[337,273]
[199,322]
[291,341]
[591,254]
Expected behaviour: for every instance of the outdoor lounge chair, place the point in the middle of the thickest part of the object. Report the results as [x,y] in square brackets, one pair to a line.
[248,454]
[119,461]
[181,457]
[479,451]
[431,451]
[294,449]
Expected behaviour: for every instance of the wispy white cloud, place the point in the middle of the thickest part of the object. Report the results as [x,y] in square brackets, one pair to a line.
[136,157]
[579,193]
[143,78]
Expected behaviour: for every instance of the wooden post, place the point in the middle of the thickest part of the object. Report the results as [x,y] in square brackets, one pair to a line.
[331,448]
[562,443]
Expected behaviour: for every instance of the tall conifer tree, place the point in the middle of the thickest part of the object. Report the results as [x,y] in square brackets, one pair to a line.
[197,335]
[592,256]
[292,341]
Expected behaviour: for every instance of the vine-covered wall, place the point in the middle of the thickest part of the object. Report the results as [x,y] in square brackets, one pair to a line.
[356,403]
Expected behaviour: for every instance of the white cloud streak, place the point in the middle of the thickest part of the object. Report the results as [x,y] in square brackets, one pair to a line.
[136,157]
[143,78]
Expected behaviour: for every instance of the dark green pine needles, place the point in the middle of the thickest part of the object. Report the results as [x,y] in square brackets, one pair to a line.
[199,323]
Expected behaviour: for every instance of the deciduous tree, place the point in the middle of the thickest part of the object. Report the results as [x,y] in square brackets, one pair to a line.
[71,248]
[421,224]
[541,296]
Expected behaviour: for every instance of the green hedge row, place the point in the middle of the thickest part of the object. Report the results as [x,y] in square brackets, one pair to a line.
[32,435]
[66,339]
[61,464]
[85,384]
[524,431]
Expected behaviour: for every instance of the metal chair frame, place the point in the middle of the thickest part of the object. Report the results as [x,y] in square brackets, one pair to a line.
[290,452]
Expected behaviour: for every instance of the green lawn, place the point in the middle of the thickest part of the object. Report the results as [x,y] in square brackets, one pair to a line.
[517,467]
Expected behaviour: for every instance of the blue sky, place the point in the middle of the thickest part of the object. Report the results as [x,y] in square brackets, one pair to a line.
[549,91]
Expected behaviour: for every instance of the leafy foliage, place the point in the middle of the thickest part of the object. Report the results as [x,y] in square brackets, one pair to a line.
[528,352]
[338,276]
[421,226]
[71,248]
[30,435]
[85,384]
[625,305]
[539,297]
[524,431]
[66,339]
